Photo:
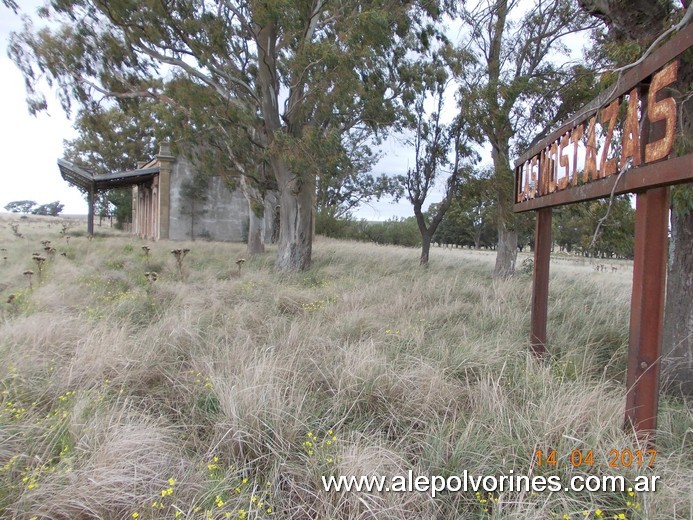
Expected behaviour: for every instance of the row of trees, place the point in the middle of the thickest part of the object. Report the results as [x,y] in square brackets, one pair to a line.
[284,86]
[287,92]
[471,222]
[51,209]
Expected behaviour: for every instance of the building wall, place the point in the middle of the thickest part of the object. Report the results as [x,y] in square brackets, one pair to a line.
[221,214]
[216,213]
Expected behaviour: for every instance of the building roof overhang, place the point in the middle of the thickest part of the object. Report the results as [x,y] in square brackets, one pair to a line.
[89,181]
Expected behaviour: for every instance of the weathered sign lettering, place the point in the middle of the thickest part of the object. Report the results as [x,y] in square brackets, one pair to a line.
[621,142]
[587,152]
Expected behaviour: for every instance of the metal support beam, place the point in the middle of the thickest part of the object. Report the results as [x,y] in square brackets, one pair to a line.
[647,311]
[90,218]
[540,281]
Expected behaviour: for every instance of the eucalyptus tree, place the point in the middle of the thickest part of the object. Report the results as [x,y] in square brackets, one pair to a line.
[442,153]
[513,86]
[633,26]
[470,220]
[288,68]
[114,138]
[346,161]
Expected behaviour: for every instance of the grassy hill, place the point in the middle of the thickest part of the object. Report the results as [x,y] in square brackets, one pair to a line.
[219,393]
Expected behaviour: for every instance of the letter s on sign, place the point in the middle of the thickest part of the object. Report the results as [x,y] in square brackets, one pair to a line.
[664,110]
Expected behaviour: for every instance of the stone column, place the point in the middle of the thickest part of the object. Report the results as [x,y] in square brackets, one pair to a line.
[141,211]
[148,206]
[166,161]
[135,215]
[156,231]
[90,221]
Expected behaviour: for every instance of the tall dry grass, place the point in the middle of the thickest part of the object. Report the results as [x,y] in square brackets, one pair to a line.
[214,394]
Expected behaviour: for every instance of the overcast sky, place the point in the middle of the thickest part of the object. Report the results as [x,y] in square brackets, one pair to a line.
[30,145]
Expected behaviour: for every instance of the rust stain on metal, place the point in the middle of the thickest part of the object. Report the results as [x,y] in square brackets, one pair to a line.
[608,166]
[664,110]
[547,168]
[665,173]
[631,132]
[647,311]
[548,176]
[540,281]
[657,60]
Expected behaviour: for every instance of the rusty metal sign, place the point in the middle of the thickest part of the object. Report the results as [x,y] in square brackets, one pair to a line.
[621,142]
[628,130]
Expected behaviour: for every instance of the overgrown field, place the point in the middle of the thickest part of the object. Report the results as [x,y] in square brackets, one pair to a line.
[227,393]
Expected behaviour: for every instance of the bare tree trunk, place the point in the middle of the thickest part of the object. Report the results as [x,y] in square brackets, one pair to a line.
[677,344]
[506,255]
[256,233]
[677,341]
[256,216]
[296,189]
[295,221]
[425,248]
[271,217]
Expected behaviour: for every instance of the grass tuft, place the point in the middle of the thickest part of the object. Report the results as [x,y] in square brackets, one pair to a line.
[195,392]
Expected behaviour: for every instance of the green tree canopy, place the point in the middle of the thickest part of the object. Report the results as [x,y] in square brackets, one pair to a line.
[51,209]
[288,68]
[20,206]
[515,84]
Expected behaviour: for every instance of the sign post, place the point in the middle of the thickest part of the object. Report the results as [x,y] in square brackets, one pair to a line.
[580,162]
[540,281]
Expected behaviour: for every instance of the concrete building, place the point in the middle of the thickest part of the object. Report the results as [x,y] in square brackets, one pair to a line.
[171,200]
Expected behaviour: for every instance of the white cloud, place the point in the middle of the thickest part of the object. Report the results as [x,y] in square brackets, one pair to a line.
[30,146]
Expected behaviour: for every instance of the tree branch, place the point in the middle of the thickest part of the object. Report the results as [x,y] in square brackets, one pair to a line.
[687,18]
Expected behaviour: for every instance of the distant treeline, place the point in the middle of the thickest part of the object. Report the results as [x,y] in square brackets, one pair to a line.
[573,229]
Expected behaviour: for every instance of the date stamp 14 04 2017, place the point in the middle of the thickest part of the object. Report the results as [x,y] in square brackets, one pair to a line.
[585,458]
